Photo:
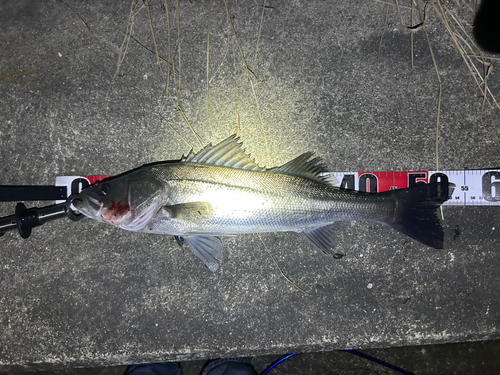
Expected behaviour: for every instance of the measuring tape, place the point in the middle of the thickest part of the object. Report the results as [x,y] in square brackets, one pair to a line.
[476,187]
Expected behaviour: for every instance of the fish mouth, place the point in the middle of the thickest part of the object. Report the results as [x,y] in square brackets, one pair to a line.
[87,205]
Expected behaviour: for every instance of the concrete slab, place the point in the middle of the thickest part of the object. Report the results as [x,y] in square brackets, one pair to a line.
[330,77]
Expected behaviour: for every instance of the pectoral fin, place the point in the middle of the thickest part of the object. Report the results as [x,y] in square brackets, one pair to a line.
[207,248]
[322,239]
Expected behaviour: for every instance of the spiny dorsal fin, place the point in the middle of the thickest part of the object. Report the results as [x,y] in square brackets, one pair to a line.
[227,153]
[305,167]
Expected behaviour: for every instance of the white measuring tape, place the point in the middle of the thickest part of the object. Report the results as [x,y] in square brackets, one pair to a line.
[475,187]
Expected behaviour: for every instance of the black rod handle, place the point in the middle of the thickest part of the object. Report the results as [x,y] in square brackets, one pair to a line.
[25,219]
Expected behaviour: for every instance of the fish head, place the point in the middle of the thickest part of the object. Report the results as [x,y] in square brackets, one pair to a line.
[128,201]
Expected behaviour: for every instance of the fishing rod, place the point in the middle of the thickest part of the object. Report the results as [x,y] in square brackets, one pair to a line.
[25,219]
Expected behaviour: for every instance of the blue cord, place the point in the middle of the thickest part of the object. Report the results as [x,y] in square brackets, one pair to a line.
[278,362]
[352,351]
[376,360]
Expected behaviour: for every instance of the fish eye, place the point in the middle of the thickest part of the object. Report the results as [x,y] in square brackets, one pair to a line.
[104,189]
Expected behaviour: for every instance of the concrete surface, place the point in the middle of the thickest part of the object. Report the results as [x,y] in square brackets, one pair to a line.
[330,78]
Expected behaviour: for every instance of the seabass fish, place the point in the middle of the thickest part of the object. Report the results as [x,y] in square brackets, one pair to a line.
[221,191]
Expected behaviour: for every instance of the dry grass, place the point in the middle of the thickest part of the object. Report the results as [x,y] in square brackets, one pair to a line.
[456,16]
[170,68]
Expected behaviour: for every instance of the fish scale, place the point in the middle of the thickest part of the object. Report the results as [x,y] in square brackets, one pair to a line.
[292,203]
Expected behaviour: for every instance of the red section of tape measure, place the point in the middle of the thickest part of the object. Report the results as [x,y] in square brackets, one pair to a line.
[94,179]
[391,180]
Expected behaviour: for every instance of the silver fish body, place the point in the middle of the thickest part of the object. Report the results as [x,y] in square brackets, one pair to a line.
[221,191]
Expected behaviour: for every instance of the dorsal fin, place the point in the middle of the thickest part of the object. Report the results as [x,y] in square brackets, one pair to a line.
[227,153]
[305,167]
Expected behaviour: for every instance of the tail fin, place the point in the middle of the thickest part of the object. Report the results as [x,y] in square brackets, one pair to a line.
[416,212]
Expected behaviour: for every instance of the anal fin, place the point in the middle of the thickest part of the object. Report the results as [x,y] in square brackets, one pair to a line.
[207,248]
[323,239]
